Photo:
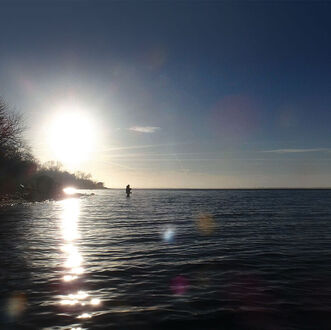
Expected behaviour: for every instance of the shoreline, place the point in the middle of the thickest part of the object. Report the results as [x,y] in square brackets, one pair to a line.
[10,200]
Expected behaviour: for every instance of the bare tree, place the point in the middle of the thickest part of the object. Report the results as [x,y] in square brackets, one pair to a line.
[53,165]
[11,131]
[83,176]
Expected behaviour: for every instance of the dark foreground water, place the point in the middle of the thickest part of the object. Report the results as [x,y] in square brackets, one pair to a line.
[164,259]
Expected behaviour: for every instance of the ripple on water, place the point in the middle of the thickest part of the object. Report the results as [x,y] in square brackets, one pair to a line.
[193,259]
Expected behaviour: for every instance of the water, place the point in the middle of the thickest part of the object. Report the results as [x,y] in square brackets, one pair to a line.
[163,259]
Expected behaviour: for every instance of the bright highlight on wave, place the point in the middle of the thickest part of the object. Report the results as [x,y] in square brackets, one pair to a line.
[80,298]
[84,316]
[69,278]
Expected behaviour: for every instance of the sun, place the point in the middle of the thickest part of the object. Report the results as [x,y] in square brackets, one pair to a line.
[72,137]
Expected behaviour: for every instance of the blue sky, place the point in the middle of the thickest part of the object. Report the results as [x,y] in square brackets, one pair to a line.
[181,94]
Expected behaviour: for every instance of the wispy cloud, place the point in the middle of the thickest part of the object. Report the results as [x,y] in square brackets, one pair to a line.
[146,146]
[287,151]
[145,129]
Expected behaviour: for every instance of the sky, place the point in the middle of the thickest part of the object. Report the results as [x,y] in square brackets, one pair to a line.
[166,94]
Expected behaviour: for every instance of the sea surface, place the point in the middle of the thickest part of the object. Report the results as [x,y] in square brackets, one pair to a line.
[168,259]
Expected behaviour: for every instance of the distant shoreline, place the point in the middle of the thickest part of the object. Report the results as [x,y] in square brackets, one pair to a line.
[8,200]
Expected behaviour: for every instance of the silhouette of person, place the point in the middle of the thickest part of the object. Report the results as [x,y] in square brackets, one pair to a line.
[128,190]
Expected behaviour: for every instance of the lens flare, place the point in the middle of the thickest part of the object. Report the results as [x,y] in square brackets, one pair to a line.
[206,224]
[179,285]
[168,234]
[17,304]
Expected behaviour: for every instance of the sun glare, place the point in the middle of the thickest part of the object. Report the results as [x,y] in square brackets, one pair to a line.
[72,136]
[70,190]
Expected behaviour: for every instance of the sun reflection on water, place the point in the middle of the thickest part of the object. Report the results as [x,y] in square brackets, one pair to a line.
[73,260]
[84,316]
[70,215]
[70,233]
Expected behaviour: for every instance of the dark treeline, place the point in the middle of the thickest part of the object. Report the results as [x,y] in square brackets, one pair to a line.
[21,174]
[64,178]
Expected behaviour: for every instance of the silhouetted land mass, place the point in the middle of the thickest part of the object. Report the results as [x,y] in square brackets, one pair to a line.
[22,177]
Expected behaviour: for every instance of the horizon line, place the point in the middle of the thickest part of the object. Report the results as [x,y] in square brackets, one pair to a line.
[244,188]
